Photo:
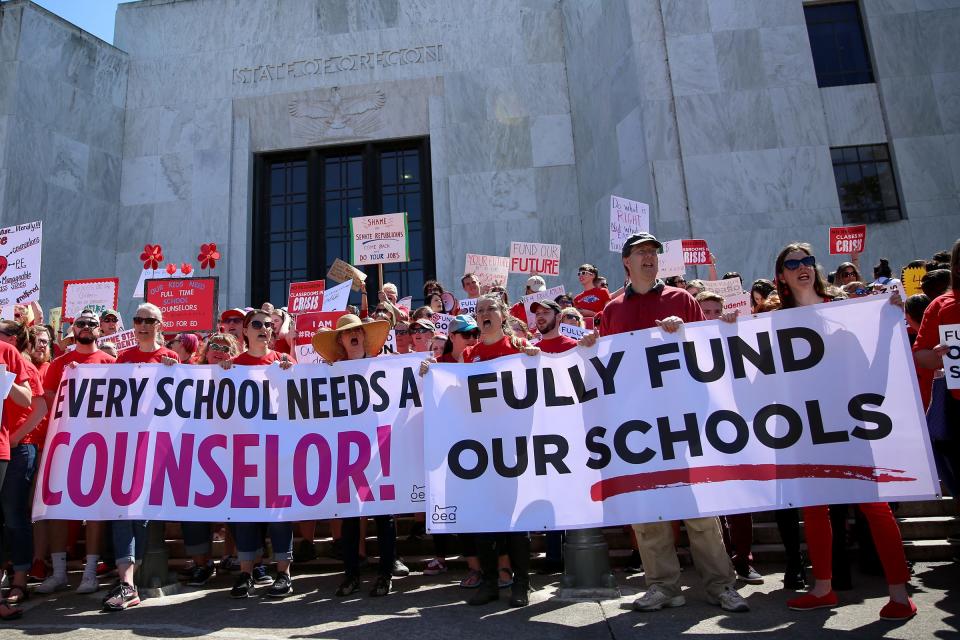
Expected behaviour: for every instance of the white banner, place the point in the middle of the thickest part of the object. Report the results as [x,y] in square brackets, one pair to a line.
[19,265]
[258,444]
[627,217]
[815,405]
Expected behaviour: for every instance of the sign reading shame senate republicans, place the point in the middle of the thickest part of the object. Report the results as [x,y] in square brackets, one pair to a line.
[817,405]
[253,443]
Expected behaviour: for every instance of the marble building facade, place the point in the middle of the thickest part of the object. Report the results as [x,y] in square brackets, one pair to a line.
[534,113]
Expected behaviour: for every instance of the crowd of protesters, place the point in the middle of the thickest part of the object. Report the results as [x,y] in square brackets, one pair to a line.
[720,547]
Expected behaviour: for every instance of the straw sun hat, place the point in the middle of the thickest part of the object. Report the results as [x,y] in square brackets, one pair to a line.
[326,341]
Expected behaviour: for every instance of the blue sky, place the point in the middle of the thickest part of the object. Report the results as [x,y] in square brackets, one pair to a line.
[95,16]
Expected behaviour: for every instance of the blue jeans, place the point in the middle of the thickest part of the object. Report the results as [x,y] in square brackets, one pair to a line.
[15,505]
[250,540]
[196,538]
[129,540]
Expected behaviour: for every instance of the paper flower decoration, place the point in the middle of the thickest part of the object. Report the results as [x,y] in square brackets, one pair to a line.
[152,256]
[171,268]
[186,268]
[208,256]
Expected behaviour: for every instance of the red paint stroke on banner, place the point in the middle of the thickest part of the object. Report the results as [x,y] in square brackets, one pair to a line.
[610,487]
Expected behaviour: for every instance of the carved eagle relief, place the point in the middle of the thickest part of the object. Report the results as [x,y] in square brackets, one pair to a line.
[338,116]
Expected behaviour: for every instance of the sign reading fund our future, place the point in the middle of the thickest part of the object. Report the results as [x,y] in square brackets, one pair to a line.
[379,239]
[535,258]
[198,443]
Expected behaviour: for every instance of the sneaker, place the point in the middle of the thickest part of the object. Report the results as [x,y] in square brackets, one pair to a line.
[381,587]
[400,570]
[260,576]
[473,580]
[229,563]
[749,575]
[505,578]
[88,584]
[122,597]
[435,567]
[200,575]
[53,584]
[281,587]
[349,586]
[38,572]
[730,600]
[243,587]
[657,598]
[808,602]
[898,611]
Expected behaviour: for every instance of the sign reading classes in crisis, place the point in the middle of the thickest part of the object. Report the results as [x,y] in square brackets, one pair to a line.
[647,426]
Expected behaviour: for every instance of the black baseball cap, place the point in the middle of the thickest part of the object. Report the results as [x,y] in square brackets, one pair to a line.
[637,239]
[549,304]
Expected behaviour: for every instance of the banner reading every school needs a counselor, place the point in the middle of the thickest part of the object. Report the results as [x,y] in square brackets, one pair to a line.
[808,406]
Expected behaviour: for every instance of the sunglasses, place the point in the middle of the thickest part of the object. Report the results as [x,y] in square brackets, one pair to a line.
[233,321]
[147,321]
[793,265]
[847,274]
[419,331]
[570,316]
[585,273]
[111,319]
[222,348]
[400,332]
[86,324]
[473,334]
[259,324]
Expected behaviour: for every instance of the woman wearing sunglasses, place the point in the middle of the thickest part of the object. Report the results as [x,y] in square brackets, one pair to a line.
[800,283]
[847,272]
[257,333]
[593,298]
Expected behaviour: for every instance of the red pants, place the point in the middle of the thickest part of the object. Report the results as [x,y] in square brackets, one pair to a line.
[883,527]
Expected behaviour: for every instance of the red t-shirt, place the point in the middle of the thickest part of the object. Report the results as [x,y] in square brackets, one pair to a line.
[39,435]
[136,356]
[592,299]
[51,380]
[557,345]
[18,415]
[446,358]
[246,359]
[943,310]
[482,352]
[636,311]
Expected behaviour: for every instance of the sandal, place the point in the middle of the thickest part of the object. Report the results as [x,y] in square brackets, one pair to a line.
[17,594]
[13,613]
[472,581]
[504,582]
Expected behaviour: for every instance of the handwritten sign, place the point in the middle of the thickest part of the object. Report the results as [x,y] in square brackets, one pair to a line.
[336,298]
[123,340]
[573,331]
[695,252]
[187,304]
[534,257]
[56,318]
[306,297]
[910,277]
[731,290]
[379,239]
[19,265]
[468,306]
[341,271]
[442,321]
[307,325]
[546,294]
[627,217]
[491,271]
[847,240]
[671,260]
[98,294]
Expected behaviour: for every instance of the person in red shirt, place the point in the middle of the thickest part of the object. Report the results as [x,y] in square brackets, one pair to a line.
[41,354]
[547,313]
[535,284]
[16,484]
[593,298]
[85,331]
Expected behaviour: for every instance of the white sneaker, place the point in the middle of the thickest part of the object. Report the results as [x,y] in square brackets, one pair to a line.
[52,584]
[657,598]
[730,600]
[89,584]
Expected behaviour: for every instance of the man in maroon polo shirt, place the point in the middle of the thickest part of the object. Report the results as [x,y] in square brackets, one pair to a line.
[647,302]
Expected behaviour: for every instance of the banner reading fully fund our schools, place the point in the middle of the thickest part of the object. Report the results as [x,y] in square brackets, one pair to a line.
[258,444]
[808,406]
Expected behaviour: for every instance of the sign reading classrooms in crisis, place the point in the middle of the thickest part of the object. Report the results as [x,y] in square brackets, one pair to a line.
[379,239]
[848,240]
[306,297]
[535,258]
[97,294]
[491,271]
[187,304]
[695,252]
[19,265]
[627,217]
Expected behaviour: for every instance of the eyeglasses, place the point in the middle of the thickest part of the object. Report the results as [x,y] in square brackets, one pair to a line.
[110,319]
[651,251]
[793,265]
[569,316]
[419,331]
[259,324]
[847,274]
[43,343]
[222,348]
[147,321]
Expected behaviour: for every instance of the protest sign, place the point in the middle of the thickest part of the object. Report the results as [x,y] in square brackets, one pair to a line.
[123,340]
[390,346]
[535,258]
[157,274]
[546,294]
[719,418]
[468,306]
[442,321]
[731,290]
[308,324]
[336,298]
[910,277]
[671,260]
[741,303]
[187,304]
[98,294]
[19,265]
[695,252]
[406,302]
[627,217]
[491,271]
[56,318]
[573,331]
[848,240]
[197,443]
[950,336]
[379,239]
[306,297]
[341,271]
